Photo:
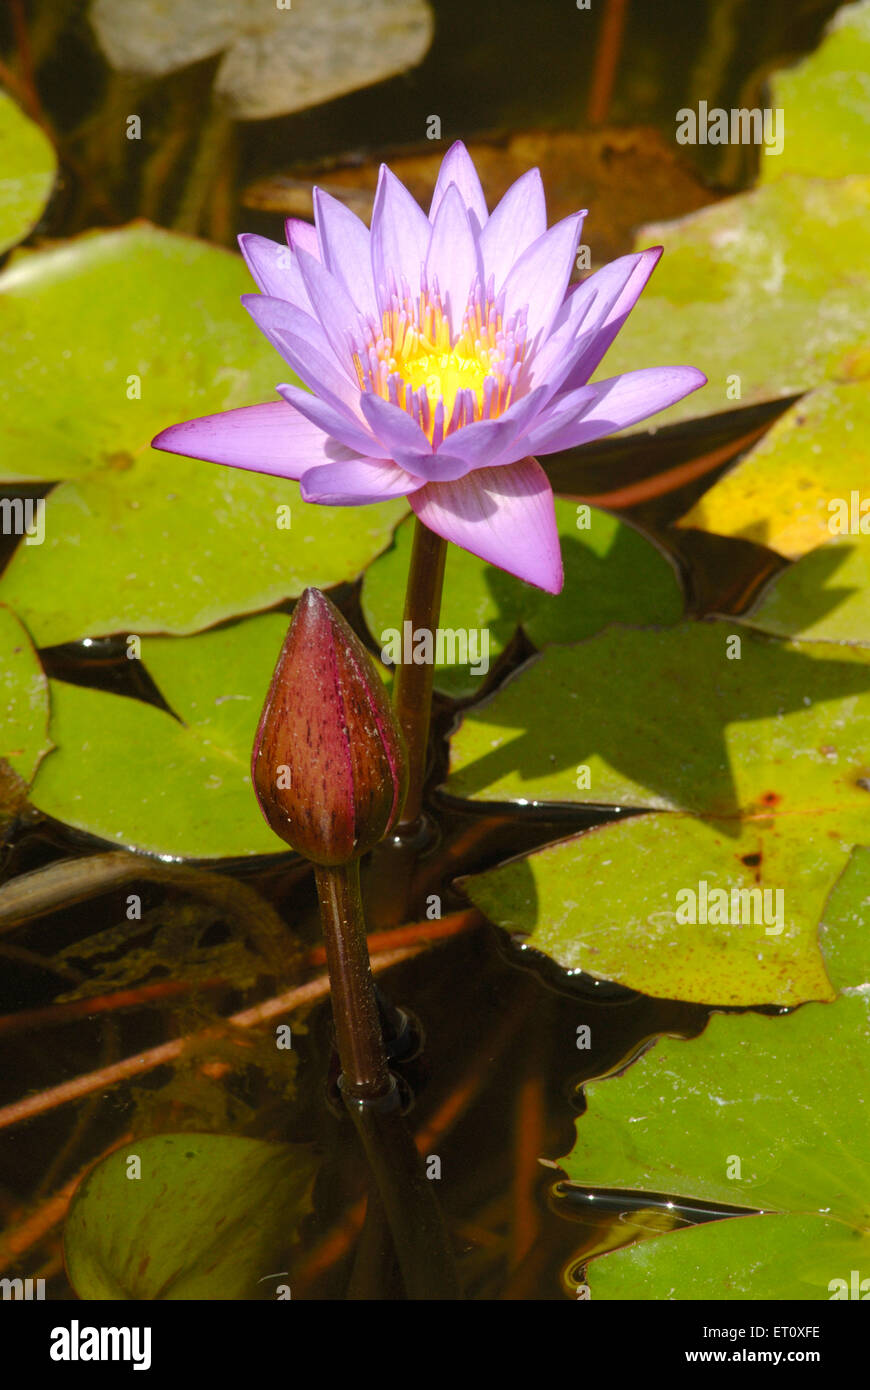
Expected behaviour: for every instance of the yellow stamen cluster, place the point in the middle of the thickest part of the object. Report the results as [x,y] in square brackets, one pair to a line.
[415,350]
[444,375]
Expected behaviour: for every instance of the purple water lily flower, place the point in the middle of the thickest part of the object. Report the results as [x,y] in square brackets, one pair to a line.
[441,354]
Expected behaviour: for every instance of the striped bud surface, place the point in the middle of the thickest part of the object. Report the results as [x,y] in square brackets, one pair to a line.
[328,766]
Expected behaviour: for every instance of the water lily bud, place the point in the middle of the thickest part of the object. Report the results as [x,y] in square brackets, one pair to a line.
[329,764]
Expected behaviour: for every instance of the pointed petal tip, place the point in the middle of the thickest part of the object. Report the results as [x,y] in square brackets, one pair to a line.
[458,169]
[161,440]
[319,198]
[544,571]
[301,235]
[270,438]
[504,515]
[552,583]
[651,255]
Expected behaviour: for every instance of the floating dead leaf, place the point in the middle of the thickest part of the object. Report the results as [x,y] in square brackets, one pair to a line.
[624,177]
[277,58]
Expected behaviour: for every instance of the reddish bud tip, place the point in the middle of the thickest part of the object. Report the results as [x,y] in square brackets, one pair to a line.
[329,763]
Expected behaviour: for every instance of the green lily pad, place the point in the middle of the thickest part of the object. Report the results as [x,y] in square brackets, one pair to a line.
[23,699]
[131,773]
[139,541]
[24,737]
[843,930]
[756,769]
[824,597]
[81,321]
[767,292]
[744,1258]
[747,1115]
[210,1216]
[797,484]
[29,166]
[177,547]
[632,903]
[612,574]
[826,99]
[664,720]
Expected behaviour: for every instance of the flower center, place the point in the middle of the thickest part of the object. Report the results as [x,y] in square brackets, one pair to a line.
[444,375]
[444,380]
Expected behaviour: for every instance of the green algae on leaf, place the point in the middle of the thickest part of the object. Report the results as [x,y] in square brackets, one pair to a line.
[208,1216]
[176,784]
[27,172]
[612,574]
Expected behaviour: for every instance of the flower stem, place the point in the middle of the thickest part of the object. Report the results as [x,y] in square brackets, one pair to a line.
[357,1023]
[214,147]
[413,690]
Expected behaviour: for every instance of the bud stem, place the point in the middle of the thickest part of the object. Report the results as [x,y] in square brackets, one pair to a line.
[412,1210]
[371,1095]
[354,1005]
[412,698]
